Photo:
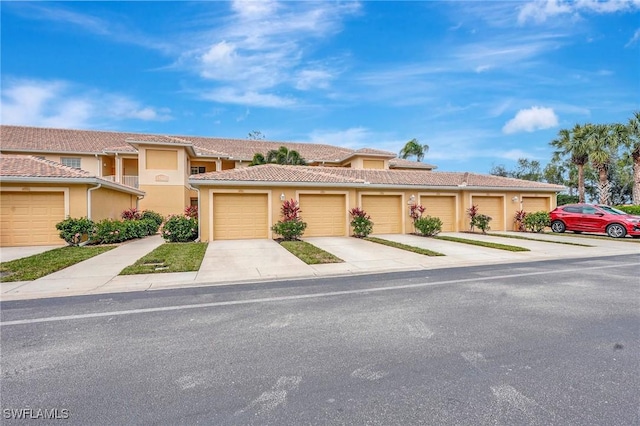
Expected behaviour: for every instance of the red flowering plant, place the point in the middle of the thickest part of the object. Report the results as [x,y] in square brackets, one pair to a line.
[131,214]
[518,220]
[361,222]
[191,212]
[291,227]
[415,211]
[472,212]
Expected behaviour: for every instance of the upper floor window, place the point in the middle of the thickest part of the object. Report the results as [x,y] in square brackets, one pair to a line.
[70,162]
[196,170]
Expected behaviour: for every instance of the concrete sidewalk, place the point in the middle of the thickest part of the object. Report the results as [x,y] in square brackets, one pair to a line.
[85,277]
[251,261]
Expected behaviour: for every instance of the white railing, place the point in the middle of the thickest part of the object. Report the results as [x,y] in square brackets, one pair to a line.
[126,180]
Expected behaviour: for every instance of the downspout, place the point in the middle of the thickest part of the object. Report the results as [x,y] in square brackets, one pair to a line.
[89,199]
[199,216]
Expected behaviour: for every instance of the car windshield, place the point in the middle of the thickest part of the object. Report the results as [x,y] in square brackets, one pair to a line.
[612,210]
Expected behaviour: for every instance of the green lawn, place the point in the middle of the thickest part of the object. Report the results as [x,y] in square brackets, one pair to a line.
[481,243]
[169,257]
[39,265]
[309,253]
[401,246]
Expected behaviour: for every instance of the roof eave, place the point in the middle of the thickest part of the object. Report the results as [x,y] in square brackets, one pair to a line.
[71,180]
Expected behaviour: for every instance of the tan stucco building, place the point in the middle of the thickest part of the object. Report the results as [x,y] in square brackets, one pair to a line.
[115,171]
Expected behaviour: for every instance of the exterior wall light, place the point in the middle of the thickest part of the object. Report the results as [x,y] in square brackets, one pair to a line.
[515,199]
[282,197]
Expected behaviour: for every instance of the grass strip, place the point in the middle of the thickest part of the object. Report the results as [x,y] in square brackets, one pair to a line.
[521,237]
[481,243]
[37,266]
[591,236]
[308,253]
[401,246]
[169,257]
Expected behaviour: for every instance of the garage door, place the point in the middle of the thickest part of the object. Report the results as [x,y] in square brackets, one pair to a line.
[240,216]
[535,204]
[385,212]
[325,214]
[494,207]
[442,207]
[29,219]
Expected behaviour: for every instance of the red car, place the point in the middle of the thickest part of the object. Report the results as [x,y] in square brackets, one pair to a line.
[594,218]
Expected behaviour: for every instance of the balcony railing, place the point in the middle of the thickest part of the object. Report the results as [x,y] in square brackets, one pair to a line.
[126,180]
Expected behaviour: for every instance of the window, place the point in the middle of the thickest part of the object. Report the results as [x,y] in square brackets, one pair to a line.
[70,162]
[196,170]
[573,209]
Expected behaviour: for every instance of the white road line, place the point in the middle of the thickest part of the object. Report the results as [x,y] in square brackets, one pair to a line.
[295,297]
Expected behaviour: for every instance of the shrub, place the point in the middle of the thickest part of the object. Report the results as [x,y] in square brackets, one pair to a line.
[428,225]
[415,211]
[361,222]
[191,212]
[472,212]
[156,217]
[563,199]
[291,227]
[629,209]
[109,231]
[536,222]
[180,229]
[75,231]
[482,222]
[131,214]
[518,220]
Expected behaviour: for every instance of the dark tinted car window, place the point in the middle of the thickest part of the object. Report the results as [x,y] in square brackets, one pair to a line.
[589,210]
[573,209]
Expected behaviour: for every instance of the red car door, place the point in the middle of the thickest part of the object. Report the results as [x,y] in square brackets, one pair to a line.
[593,219]
[572,217]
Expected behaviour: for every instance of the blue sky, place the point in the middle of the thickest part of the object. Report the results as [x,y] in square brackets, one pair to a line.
[482,83]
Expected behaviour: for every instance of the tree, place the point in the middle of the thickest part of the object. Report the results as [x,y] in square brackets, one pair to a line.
[413,148]
[279,156]
[255,135]
[604,141]
[285,156]
[574,143]
[526,169]
[632,142]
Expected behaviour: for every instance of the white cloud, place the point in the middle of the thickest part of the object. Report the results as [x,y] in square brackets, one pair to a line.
[539,11]
[634,39]
[61,104]
[312,78]
[529,120]
[251,98]
[353,137]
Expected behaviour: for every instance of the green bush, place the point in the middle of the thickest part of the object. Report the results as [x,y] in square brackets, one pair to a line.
[563,199]
[180,229]
[629,209]
[482,222]
[75,231]
[536,222]
[428,225]
[290,229]
[361,222]
[109,231]
[156,217]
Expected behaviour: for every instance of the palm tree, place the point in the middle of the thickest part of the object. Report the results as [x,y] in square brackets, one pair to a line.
[574,144]
[413,148]
[258,159]
[604,141]
[285,156]
[632,141]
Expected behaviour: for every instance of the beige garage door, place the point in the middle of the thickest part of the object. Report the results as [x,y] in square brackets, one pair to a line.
[535,204]
[442,207]
[240,216]
[385,212]
[325,214]
[494,207]
[29,219]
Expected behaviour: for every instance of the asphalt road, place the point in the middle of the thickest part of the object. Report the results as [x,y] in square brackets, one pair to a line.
[537,344]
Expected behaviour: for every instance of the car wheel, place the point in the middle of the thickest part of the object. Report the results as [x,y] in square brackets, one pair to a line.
[558,226]
[616,230]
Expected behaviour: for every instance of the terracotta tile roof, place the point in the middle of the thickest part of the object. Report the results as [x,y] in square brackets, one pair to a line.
[28,166]
[408,164]
[292,174]
[36,139]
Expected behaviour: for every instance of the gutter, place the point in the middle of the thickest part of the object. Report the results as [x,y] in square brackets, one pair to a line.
[87,180]
[361,185]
